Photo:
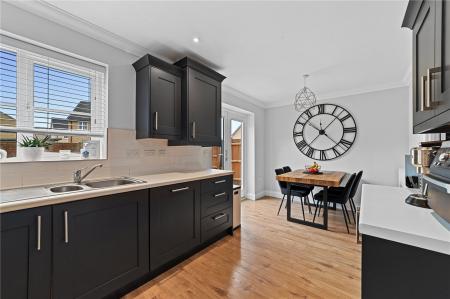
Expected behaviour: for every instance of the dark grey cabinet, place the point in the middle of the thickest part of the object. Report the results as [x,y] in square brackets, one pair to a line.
[174,222]
[26,248]
[100,245]
[158,99]
[428,19]
[201,104]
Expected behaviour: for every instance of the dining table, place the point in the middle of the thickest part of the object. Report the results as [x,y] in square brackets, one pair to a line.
[324,179]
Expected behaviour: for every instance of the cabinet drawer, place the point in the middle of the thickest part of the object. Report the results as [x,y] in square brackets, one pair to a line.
[214,202]
[217,185]
[216,223]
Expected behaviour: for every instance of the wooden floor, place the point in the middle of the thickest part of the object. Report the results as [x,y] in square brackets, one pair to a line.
[267,258]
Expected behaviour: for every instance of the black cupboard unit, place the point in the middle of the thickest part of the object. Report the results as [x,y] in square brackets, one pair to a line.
[99,245]
[158,99]
[429,21]
[26,254]
[202,104]
[174,222]
[181,102]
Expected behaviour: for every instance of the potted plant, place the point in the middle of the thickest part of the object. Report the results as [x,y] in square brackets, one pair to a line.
[33,148]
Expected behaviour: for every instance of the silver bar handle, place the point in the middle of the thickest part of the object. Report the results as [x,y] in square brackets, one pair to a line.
[220,182]
[220,194]
[180,189]
[156,121]
[39,222]
[219,216]
[193,130]
[66,227]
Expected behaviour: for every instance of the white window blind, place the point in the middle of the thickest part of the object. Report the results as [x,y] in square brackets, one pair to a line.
[50,96]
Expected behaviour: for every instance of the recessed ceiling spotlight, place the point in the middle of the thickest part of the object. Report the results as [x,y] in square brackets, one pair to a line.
[196,40]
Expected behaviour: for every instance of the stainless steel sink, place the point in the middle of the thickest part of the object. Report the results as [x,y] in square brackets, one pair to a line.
[112,183]
[66,188]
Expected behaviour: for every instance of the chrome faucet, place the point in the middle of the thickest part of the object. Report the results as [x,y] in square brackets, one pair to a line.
[78,178]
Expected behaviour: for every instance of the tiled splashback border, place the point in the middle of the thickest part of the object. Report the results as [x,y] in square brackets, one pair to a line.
[126,157]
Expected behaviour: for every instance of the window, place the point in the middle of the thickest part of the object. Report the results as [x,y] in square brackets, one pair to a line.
[40,95]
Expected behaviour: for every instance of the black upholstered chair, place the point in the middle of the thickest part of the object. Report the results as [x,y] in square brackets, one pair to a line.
[339,198]
[310,187]
[295,191]
[353,191]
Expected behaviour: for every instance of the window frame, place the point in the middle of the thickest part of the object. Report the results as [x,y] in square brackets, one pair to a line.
[25,91]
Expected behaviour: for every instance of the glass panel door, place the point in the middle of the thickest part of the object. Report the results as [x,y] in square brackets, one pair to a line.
[236,132]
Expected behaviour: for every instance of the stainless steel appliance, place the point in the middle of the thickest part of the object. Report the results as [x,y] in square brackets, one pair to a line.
[438,181]
[421,158]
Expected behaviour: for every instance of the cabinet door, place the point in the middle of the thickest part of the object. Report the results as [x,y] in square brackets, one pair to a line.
[165,98]
[26,254]
[100,244]
[423,60]
[442,53]
[204,109]
[174,222]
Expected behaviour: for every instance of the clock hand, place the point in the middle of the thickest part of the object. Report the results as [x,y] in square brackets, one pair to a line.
[330,124]
[313,126]
[330,138]
[314,139]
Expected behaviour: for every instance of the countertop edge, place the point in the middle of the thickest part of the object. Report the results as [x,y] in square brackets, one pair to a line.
[76,196]
[405,238]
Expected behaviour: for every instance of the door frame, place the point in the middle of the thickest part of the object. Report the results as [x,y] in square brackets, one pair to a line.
[233,113]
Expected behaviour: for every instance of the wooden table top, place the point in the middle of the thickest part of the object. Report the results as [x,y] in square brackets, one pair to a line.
[328,178]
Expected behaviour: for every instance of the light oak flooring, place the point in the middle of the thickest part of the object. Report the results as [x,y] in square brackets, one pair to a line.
[268,257]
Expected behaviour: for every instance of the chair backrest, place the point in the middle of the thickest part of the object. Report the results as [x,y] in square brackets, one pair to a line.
[283,185]
[287,169]
[348,187]
[355,184]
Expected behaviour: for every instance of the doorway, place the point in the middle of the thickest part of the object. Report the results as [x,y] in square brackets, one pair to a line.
[231,155]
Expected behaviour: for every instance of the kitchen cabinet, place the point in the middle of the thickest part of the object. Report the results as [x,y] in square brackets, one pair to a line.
[26,248]
[201,104]
[158,99]
[429,23]
[100,244]
[174,222]
[395,270]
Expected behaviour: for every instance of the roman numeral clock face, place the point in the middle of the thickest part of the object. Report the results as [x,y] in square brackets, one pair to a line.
[324,132]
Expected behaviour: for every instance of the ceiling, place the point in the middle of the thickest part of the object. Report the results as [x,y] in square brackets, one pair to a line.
[348,47]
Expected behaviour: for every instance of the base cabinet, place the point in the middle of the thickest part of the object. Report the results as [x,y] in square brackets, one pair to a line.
[26,247]
[174,222]
[395,270]
[99,244]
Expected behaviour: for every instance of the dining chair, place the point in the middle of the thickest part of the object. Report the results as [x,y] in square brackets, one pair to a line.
[339,198]
[295,191]
[310,187]
[353,191]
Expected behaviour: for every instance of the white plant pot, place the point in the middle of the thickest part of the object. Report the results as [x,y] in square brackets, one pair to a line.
[32,153]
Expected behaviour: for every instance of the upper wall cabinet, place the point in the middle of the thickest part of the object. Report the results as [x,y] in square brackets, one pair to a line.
[429,21]
[158,99]
[202,104]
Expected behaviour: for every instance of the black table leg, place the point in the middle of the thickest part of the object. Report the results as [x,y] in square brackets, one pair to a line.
[323,225]
[325,207]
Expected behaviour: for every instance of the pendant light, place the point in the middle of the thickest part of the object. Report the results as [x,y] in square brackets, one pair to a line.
[305,98]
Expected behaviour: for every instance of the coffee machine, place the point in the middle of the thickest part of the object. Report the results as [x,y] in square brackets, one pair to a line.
[421,158]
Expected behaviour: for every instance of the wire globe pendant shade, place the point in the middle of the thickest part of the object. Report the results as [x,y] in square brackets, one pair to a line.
[305,98]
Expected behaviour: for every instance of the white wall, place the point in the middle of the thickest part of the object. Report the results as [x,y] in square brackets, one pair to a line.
[382,141]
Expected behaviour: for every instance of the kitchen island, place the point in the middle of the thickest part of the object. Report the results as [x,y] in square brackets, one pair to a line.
[405,250]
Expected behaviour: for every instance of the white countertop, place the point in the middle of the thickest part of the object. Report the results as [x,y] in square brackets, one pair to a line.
[150,181]
[384,214]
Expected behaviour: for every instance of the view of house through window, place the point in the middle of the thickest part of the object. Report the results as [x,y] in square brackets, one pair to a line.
[53,101]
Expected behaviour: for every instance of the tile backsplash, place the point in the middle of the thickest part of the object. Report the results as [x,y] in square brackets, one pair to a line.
[127,156]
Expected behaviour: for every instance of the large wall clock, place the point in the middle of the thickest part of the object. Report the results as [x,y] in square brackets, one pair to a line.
[324,132]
